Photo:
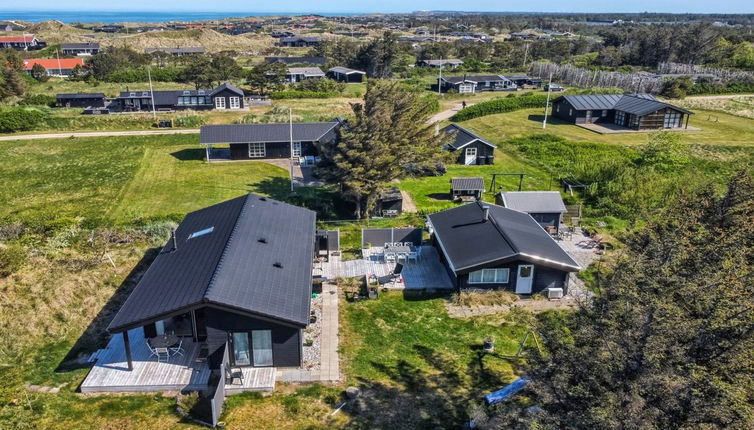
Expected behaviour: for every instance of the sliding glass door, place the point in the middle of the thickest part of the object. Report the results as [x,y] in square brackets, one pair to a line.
[262,344]
[258,352]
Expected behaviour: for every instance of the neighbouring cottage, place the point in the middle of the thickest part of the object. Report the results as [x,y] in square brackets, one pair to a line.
[264,141]
[57,67]
[225,96]
[298,74]
[632,111]
[26,42]
[546,207]
[483,245]
[81,100]
[300,41]
[524,81]
[89,48]
[471,149]
[344,74]
[450,63]
[476,84]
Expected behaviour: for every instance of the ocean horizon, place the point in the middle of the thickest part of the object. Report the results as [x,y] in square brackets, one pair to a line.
[145,16]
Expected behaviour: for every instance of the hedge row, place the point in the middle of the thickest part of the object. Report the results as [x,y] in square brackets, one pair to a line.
[19,119]
[732,88]
[507,104]
[278,95]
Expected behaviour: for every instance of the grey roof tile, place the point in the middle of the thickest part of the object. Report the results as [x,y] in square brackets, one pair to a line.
[534,201]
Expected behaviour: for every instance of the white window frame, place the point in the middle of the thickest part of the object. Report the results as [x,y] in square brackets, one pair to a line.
[256,152]
[235,102]
[296,149]
[219,102]
[499,276]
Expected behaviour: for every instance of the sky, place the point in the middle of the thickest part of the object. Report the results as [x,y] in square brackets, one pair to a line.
[388,6]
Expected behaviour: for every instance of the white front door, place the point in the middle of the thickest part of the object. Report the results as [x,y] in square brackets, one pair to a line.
[219,102]
[470,156]
[524,278]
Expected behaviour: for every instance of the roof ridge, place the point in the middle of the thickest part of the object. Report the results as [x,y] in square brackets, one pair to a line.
[220,260]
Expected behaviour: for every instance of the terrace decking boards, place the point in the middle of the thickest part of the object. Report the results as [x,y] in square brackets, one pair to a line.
[111,374]
[254,379]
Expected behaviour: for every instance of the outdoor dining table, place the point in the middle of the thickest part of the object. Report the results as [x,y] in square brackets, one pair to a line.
[163,341]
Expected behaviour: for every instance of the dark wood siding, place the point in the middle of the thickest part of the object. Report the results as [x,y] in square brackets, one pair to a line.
[482,150]
[286,341]
[82,103]
[544,277]
[227,94]
[240,151]
[563,110]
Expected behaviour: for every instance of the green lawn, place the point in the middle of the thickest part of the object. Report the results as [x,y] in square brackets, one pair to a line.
[118,179]
[721,129]
[418,367]
[110,89]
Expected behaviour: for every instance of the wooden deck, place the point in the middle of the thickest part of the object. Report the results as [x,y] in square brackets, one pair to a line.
[254,379]
[110,373]
[426,273]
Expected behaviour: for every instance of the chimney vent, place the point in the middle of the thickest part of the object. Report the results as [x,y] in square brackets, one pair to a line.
[485,213]
[278,264]
[262,240]
[175,242]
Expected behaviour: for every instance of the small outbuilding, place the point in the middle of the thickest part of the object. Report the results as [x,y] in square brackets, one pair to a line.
[546,207]
[466,189]
[389,203]
[471,149]
[298,74]
[344,74]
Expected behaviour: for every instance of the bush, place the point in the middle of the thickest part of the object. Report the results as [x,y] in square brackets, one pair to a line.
[279,95]
[12,258]
[38,100]
[500,105]
[166,74]
[19,119]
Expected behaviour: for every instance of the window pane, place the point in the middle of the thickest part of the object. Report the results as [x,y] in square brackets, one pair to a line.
[475,277]
[262,344]
[241,354]
[502,276]
[488,275]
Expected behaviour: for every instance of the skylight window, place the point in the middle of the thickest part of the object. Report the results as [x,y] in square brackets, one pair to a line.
[201,232]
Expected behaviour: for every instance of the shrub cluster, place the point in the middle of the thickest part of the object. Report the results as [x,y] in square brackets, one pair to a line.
[502,105]
[38,100]
[20,119]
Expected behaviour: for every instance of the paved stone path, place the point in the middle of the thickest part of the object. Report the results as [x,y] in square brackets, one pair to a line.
[329,370]
[442,116]
[98,134]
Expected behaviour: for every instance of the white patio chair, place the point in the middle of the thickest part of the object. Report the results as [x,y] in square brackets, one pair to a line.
[413,256]
[178,349]
[152,350]
[389,257]
[402,257]
[162,353]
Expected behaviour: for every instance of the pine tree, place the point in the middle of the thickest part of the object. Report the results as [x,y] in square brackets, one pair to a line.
[388,136]
[668,342]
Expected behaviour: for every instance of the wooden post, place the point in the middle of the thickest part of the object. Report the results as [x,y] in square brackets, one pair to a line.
[127,346]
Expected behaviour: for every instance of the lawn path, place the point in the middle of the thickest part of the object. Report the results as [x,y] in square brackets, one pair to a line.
[442,116]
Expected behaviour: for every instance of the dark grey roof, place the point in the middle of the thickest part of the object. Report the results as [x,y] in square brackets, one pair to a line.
[230,267]
[226,86]
[475,79]
[87,45]
[463,137]
[68,96]
[297,60]
[309,39]
[470,242]
[279,132]
[345,70]
[163,97]
[534,201]
[472,183]
[637,104]
[306,71]
[452,61]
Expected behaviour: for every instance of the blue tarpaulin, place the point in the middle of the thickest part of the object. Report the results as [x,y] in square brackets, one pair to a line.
[507,392]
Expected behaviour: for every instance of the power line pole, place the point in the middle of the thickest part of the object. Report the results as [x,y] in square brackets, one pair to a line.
[60,69]
[547,106]
[290,129]
[151,92]
[439,80]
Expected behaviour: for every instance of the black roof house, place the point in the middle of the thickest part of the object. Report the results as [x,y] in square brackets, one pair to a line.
[84,100]
[250,141]
[243,262]
[636,111]
[482,236]
[472,149]
[546,207]
[466,188]
[225,96]
[474,84]
[316,61]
